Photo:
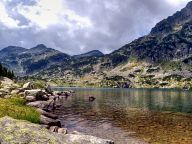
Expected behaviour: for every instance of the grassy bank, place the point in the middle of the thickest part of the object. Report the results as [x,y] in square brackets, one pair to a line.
[16,108]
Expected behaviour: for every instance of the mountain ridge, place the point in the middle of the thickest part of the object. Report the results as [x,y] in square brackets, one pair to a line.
[160,59]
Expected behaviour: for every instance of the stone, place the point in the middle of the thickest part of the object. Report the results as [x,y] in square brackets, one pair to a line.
[28,86]
[47,114]
[3,92]
[49,90]
[38,93]
[32,92]
[6,81]
[62,131]
[24,132]
[49,121]
[53,128]
[17,91]
[30,98]
[38,104]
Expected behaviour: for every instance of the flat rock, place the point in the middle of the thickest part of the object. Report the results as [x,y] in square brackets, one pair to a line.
[23,132]
[38,104]
[49,121]
[47,114]
[30,98]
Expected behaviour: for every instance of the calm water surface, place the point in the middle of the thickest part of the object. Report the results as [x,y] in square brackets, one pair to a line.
[111,114]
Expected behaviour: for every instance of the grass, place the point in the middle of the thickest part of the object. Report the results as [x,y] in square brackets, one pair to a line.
[16,108]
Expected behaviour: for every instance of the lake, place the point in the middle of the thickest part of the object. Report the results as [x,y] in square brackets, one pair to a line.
[129,115]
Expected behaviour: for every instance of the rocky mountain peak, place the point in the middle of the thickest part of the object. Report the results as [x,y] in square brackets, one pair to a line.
[189,5]
[93,53]
[41,46]
[173,23]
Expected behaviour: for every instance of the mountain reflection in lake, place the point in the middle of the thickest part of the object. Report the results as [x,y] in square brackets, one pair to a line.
[124,114]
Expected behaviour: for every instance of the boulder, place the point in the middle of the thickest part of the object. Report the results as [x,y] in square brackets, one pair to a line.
[3,92]
[53,128]
[28,86]
[17,91]
[48,89]
[62,131]
[38,104]
[23,132]
[6,81]
[37,93]
[49,121]
[47,114]
[30,98]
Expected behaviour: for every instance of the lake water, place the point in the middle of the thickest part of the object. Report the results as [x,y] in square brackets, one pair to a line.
[125,115]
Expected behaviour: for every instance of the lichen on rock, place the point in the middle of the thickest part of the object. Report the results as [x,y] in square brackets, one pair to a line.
[18,131]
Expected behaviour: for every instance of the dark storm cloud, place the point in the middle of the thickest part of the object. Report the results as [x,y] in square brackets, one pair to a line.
[113,23]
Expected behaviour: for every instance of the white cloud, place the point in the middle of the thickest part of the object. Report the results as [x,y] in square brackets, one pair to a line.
[77,26]
[5,19]
[45,13]
[177,2]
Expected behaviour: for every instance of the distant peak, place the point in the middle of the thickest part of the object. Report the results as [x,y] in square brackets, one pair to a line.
[40,46]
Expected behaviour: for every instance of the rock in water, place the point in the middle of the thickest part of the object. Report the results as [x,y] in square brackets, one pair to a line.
[23,132]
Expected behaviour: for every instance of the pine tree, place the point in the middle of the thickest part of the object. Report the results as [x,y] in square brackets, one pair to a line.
[6,73]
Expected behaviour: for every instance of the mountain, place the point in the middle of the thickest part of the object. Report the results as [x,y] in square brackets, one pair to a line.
[94,53]
[163,58]
[29,61]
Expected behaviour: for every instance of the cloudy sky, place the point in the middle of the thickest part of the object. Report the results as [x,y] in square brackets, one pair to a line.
[77,26]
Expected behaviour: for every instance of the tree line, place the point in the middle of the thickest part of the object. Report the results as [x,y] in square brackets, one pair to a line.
[5,72]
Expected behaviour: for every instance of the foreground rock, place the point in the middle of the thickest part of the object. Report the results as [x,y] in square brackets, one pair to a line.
[16,131]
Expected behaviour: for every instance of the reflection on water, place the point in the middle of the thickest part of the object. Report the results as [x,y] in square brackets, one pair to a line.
[122,114]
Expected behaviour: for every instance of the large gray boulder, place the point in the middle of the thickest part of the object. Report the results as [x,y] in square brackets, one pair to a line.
[37,93]
[39,104]
[22,132]
[28,86]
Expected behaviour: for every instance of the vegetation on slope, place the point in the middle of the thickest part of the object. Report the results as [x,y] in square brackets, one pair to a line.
[15,107]
[6,73]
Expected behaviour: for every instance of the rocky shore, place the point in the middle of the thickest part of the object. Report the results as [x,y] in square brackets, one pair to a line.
[49,131]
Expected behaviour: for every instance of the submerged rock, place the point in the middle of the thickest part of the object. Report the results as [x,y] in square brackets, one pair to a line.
[21,132]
